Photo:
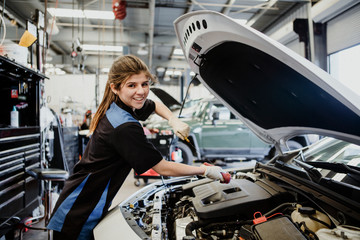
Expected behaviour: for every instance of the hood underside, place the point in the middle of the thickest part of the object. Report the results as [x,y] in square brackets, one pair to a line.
[276,92]
[166,98]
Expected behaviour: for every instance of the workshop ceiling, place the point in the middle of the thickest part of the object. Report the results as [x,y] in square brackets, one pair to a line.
[146,31]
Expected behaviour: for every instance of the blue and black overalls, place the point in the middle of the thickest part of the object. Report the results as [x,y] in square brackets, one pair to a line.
[117,145]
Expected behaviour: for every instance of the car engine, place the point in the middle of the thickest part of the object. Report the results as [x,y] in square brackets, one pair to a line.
[252,206]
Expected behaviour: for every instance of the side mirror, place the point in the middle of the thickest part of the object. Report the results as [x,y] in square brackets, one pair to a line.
[215,116]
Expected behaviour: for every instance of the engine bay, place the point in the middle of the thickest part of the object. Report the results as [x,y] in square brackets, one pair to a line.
[254,205]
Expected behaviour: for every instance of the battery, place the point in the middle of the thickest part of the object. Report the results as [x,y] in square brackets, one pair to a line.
[280,228]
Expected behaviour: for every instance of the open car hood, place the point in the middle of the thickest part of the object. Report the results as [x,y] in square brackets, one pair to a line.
[166,98]
[277,93]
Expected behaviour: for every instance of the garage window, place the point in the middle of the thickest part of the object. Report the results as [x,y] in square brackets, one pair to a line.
[344,66]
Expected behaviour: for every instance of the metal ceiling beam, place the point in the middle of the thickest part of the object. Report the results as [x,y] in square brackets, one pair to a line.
[138,29]
[92,36]
[151,31]
[91,60]
[257,16]
[227,9]
[230,5]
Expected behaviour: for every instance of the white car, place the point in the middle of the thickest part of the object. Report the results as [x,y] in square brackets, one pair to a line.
[311,193]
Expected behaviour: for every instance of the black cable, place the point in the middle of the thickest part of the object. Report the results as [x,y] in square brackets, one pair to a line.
[186,94]
[319,221]
[278,207]
[307,197]
[181,108]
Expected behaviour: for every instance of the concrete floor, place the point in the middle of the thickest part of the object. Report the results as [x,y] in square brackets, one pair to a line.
[127,189]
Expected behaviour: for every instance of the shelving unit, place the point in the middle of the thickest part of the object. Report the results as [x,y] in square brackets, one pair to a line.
[20,147]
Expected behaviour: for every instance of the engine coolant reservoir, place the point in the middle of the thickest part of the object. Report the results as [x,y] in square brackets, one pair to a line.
[302,214]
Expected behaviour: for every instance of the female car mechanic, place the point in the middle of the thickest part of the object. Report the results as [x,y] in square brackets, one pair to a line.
[117,145]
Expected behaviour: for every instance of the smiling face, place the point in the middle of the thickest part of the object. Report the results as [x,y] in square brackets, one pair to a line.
[134,91]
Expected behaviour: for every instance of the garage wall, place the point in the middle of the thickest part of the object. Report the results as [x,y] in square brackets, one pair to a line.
[77,92]
[74,91]
[283,31]
[342,19]
[344,30]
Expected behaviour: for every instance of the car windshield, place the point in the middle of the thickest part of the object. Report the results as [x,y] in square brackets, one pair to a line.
[334,151]
[336,161]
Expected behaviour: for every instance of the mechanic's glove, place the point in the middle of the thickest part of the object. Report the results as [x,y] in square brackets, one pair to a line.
[213,172]
[216,173]
[180,128]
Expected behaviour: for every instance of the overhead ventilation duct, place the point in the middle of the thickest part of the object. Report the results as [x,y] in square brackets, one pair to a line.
[119,9]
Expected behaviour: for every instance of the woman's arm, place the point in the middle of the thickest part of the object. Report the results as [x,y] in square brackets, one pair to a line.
[162,110]
[180,128]
[167,168]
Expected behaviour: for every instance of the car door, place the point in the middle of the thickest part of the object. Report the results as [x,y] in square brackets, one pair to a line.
[223,134]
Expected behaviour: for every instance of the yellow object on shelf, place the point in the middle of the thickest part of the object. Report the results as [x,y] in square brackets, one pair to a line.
[27,39]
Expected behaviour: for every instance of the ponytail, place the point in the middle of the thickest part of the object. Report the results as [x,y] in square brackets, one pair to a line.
[108,98]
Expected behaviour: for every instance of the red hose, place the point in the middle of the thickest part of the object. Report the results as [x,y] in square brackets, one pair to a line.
[119,9]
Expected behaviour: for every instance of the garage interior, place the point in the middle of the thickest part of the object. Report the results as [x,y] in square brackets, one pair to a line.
[61,72]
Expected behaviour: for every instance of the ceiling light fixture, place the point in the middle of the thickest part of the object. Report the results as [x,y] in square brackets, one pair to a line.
[160,69]
[169,72]
[177,73]
[75,13]
[142,49]
[105,70]
[95,14]
[177,54]
[178,51]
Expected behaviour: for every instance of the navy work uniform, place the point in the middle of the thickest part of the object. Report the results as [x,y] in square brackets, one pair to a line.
[117,145]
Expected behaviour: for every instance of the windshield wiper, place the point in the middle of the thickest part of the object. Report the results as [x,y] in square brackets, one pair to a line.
[314,174]
[286,162]
[337,167]
[351,171]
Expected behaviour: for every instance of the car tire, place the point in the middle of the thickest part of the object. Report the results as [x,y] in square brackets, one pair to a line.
[186,153]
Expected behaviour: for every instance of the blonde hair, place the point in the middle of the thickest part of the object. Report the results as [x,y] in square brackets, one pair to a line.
[121,70]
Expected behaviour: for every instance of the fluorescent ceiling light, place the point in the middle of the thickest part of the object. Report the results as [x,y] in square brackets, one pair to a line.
[94,14]
[62,12]
[177,73]
[160,69]
[178,51]
[105,70]
[76,13]
[169,72]
[104,48]
[142,51]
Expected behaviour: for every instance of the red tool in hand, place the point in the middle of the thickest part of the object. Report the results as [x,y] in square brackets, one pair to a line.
[226,176]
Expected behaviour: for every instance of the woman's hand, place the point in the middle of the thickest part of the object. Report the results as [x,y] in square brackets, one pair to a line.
[213,172]
[216,173]
[180,128]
